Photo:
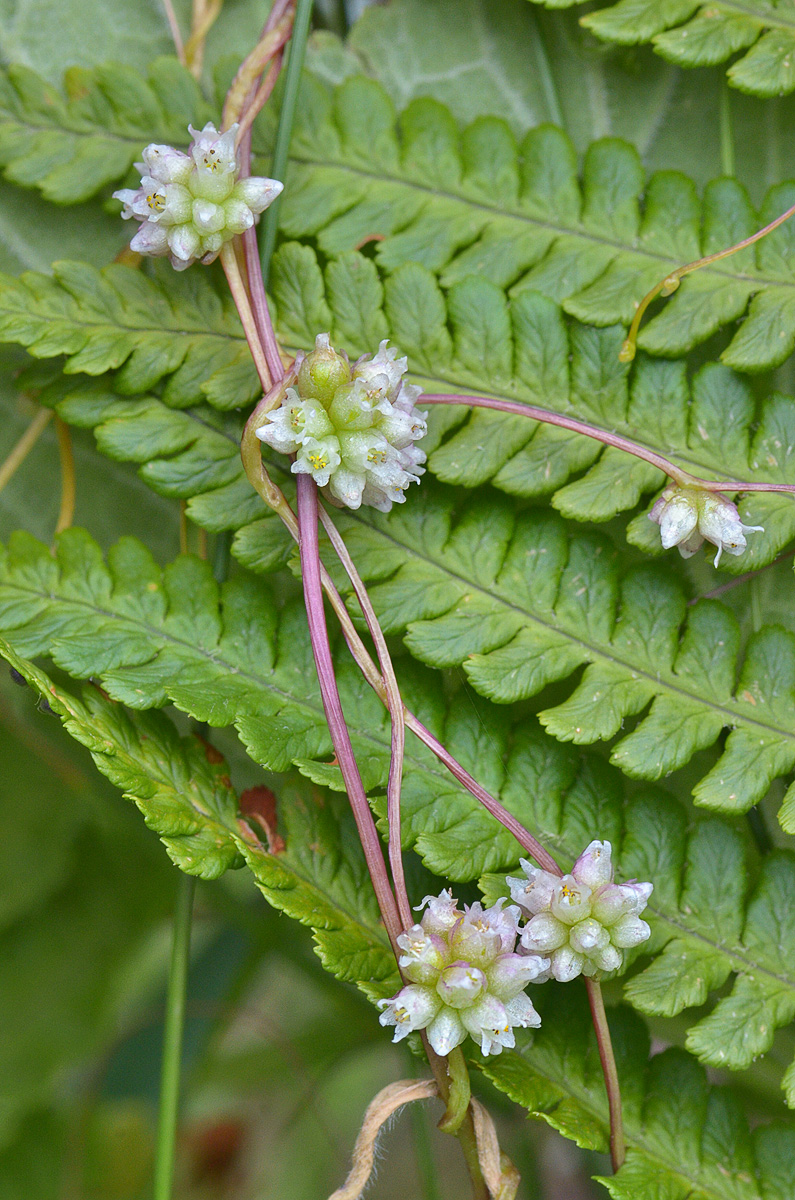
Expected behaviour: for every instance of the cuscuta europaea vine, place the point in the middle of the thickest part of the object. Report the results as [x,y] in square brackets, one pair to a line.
[253,320]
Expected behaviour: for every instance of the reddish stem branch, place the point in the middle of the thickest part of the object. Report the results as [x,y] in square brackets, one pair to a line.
[609,1070]
[318,632]
[683,478]
[397,712]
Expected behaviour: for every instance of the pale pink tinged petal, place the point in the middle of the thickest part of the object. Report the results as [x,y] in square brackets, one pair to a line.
[565,964]
[607,959]
[678,520]
[511,973]
[543,933]
[571,901]
[595,865]
[347,487]
[441,912]
[446,1031]
[629,931]
[612,901]
[460,985]
[521,1012]
[184,242]
[208,217]
[588,936]
[238,217]
[691,545]
[257,193]
[150,239]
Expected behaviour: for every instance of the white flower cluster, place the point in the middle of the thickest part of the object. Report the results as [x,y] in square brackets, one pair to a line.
[689,516]
[465,977]
[583,921]
[352,429]
[190,204]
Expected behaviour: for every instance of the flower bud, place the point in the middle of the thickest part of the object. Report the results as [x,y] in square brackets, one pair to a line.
[460,985]
[480,994]
[195,199]
[322,372]
[369,456]
[689,516]
[583,921]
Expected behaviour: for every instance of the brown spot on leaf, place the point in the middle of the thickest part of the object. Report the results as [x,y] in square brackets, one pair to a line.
[259,805]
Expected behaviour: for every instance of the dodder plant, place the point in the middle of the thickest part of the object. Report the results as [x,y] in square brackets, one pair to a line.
[165,368]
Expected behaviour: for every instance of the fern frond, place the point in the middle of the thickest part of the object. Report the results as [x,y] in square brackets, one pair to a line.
[71,146]
[518,601]
[181,786]
[473,338]
[474,202]
[154,637]
[686,1140]
[714,34]
[120,318]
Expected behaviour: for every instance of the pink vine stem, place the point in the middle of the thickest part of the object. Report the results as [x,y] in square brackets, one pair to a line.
[519,409]
[251,301]
[318,632]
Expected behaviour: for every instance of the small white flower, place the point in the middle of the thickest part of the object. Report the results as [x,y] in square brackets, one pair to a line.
[583,921]
[464,977]
[368,412]
[689,516]
[196,199]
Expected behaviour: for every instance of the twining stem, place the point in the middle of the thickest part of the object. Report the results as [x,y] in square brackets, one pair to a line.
[24,446]
[396,708]
[460,1092]
[668,286]
[284,133]
[205,14]
[608,1061]
[683,478]
[318,632]
[464,1129]
[172,1039]
[366,665]
[245,97]
[240,297]
[176,36]
[67,509]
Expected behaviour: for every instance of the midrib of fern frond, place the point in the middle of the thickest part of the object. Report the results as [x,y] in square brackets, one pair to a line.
[555,229]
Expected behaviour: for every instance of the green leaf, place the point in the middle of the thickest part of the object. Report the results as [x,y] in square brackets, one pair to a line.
[153,638]
[684,1138]
[519,601]
[183,790]
[179,785]
[71,147]
[596,243]
[521,348]
[712,36]
[120,318]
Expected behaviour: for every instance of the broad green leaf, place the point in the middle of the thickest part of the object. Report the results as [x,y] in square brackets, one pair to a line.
[692,37]
[153,638]
[70,147]
[685,1139]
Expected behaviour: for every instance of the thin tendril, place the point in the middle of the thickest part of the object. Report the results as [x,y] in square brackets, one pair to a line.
[318,632]
[24,446]
[683,478]
[667,286]
[68,488]
[176,36]
[609,1070]
[395,705]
